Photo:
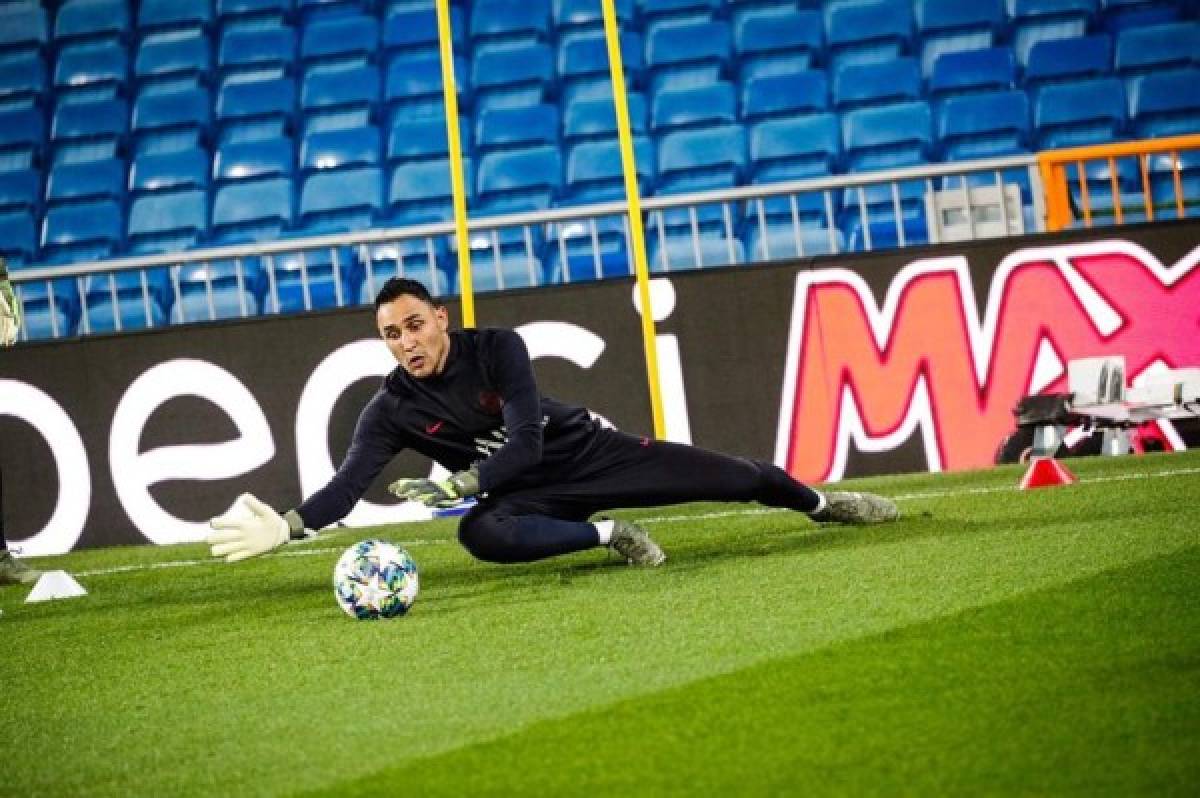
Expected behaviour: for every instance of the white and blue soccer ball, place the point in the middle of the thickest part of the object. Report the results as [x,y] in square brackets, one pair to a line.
[375,579]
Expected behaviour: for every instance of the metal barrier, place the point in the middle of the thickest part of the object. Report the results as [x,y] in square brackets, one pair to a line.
[787,220]
[1122,182]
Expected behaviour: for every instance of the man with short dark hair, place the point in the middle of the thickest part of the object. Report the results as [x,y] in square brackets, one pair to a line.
[539,468]
[12,570]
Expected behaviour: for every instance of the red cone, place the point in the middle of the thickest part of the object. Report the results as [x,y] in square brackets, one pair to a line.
[1046,472]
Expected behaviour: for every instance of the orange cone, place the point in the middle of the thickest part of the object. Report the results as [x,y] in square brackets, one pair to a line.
[1046,472]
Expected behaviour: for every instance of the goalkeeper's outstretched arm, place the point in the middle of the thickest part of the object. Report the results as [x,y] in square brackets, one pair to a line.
[251,528]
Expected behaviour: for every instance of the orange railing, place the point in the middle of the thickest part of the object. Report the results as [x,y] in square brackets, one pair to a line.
[1056,167]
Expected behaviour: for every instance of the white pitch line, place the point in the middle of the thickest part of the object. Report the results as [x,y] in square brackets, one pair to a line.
[307,551]
[296,552]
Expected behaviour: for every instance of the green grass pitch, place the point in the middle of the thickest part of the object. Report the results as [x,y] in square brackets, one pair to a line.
[992,642]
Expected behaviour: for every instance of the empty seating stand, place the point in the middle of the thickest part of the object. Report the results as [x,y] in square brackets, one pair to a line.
[133,126]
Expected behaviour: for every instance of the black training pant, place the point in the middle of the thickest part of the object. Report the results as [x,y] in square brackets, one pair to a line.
[618,470]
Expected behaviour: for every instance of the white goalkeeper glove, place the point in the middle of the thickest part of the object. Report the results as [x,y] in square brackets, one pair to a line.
[444,493]
[10,314]
[249,529]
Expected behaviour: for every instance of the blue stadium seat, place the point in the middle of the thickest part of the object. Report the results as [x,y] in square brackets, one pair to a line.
[972,71]
[985,125]
[777,43]
[224,289]
[341,201]
[689,55]
[157,15]
[511,128]
[254,210]
[578,16]
[21,190]
[420,192]
[22,137]
[887,137]
[414,86]
[595,174]
[413,31]
[22,80]
[94,71]
[868,32]
[253,13]
[1059,60]
[664,13]
[22,29]
[83,231]
[1099,176]
[597,118]
[342,98]
[573,255]
[784,95]
[89,131]
[1118,15]
[884,229]
[51,311]
[680,108]
[261,109]
[1157,47]
[518,180]
[86,182]
[254,160]
[310,10]
[172,121]
[795,148]
[80,20]
[265,53]
[17,237]
[492,271]
[502,23]
[682,253]
[949,26]
[698,160]
[779,240]
[421,138]
[346,39]
[1034,21]
[1166,104]
[173,61]
[169,172]
[311,279]
[1079,113]
[415,258]
[122,301]
[1164,169]
[583,65]
[513,77]
[168,222]
[882,83]
[340,149]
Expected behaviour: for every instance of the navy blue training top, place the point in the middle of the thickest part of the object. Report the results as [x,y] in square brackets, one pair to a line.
[484,408]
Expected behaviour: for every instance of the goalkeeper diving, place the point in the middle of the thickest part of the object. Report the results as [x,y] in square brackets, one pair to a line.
[539,469]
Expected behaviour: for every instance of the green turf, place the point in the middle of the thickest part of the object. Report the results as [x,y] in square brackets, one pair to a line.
[994,641]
